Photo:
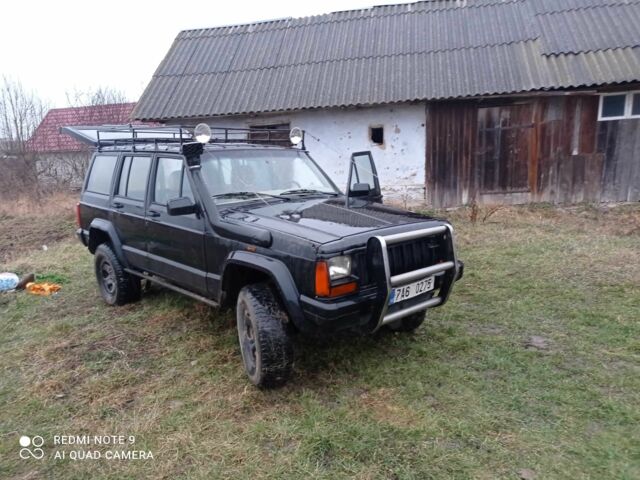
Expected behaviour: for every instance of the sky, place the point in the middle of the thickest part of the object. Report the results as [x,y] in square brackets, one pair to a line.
[58,47]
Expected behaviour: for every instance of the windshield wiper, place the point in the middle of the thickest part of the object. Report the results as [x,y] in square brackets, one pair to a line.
[248,195]
[304,191]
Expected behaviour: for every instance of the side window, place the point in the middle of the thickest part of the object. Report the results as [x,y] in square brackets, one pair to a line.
[133,177]
[168,179]
[101,172]
[362,171]
[171,181]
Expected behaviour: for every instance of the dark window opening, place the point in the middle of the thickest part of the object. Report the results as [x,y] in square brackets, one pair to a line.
[613,106]
[277,133]
[635,106]
[377,135]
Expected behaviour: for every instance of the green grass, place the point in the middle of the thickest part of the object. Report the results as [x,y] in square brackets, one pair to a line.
[463,397]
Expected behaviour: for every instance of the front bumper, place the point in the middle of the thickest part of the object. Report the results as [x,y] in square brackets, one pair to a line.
[363,310]
[447,271]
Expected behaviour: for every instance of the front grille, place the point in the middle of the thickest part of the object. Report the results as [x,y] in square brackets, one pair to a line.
[415,254]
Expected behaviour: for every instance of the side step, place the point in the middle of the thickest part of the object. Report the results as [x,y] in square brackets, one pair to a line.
[175,288]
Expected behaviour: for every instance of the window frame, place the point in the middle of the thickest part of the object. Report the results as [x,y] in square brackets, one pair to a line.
[628,105]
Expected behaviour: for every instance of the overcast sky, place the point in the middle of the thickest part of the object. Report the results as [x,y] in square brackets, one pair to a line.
[54,47]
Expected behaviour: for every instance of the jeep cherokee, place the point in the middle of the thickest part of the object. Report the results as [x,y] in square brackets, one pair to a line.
[235,220]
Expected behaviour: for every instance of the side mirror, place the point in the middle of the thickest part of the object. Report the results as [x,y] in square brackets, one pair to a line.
[181,206]
[360,189]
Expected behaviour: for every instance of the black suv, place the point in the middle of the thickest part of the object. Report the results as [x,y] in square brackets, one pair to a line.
[238,220]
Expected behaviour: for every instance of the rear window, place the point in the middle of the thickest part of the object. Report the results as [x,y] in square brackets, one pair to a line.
[101,172]
[133,177]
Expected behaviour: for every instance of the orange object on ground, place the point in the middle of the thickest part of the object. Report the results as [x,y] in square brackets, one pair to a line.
[44,288]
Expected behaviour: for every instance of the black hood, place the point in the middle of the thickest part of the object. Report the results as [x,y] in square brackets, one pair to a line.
[323,220]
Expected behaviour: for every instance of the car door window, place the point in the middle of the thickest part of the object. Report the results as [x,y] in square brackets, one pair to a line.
[168,178]
[171,181]
[133,177]
[101,172]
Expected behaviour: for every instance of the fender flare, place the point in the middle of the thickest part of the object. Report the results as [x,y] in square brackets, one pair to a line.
[105,226]
[279,274]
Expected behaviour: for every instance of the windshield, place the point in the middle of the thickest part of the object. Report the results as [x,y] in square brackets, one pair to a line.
[263,172]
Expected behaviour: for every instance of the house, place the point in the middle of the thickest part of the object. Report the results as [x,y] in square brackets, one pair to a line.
[62,160]
[493,101]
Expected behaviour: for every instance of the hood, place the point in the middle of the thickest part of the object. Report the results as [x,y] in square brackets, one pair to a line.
[323,220]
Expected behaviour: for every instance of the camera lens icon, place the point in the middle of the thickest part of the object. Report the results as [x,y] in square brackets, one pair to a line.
[37,441]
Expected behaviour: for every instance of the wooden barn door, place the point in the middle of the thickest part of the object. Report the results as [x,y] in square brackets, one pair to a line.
[504,149]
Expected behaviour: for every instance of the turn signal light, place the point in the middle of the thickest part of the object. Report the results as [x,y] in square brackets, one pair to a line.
[323,283]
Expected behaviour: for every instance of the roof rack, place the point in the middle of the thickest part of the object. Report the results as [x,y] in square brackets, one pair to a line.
[127,137]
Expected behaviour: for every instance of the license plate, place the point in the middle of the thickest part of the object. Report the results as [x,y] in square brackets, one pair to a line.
[411,290]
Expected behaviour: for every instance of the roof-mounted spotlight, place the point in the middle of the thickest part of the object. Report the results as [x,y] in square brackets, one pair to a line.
[202,133]
[295,135]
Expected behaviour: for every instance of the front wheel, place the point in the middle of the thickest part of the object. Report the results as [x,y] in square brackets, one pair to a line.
[409,323]
[266,349]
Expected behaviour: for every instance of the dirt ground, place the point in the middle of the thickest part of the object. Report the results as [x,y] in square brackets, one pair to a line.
[27,225]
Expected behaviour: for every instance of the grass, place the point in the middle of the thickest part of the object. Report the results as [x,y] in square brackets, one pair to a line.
[470,395]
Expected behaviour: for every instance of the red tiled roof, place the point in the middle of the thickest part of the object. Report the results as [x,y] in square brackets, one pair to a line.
[48,139]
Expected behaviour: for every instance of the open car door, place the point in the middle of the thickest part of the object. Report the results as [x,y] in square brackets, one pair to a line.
[363,178]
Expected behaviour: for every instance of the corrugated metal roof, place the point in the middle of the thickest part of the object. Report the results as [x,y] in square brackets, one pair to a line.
[426,50]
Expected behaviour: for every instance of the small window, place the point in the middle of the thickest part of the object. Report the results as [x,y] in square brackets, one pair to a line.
[613,106]
[635,105]
[618,106]
[101,172]
[133,177]
[124,177]
[377,135]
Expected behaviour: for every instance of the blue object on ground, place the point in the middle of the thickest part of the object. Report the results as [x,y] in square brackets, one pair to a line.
[8,281]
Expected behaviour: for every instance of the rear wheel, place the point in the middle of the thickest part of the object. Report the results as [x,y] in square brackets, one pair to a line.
[266,349]
[117,287]
[409,323]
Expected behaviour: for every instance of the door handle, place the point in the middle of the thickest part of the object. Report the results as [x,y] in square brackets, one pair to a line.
[154,213]
[118,205]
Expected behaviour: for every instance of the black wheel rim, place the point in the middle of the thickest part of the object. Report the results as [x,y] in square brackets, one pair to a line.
[108,277]
[247,339]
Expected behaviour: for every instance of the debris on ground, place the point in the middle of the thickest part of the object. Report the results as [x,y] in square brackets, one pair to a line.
[8,281]
[43,288]
[526,474]
[536,342]
[22,284]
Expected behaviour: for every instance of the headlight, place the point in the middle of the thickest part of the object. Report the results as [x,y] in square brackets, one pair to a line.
[339,267]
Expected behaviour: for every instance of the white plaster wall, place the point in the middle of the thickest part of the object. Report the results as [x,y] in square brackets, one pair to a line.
[333,134]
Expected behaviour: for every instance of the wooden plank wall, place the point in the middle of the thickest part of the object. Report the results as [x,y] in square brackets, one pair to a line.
[451,141]
[570,156]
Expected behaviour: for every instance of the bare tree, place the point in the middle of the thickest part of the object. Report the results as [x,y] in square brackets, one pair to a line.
[21,112]
[99,96]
